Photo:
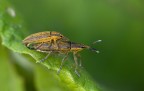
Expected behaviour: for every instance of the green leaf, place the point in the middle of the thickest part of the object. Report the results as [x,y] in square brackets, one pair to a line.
[13,31]
[45,80]
[9,79]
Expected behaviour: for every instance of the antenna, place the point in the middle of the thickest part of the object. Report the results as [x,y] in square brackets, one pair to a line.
[97,41]
[93,49]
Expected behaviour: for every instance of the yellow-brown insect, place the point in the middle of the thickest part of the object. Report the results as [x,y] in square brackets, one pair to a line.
[44,37]
[51,42]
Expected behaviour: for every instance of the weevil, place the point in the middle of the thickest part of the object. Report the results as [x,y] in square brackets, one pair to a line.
[45,37]
[40,42]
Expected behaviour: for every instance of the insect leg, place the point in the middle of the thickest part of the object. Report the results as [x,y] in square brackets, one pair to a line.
[80,62]
[42,60]
[39,45]
[63,60]
[76,63]
[55,44]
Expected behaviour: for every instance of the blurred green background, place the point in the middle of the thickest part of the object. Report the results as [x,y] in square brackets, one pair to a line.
[118,23]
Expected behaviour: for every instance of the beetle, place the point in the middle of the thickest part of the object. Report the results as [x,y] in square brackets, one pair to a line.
[43,37]
[44,42]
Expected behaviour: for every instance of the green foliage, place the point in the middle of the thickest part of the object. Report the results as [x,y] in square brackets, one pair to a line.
[9,79]
[23,74]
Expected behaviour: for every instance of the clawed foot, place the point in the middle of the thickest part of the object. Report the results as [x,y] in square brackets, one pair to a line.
[59,70]
[77,73]
[41,61]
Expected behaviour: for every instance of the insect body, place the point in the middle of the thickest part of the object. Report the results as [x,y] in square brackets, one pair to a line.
[44,42]
[44,37]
